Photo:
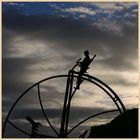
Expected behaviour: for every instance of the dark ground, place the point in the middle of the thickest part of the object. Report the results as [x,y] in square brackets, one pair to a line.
[120,127]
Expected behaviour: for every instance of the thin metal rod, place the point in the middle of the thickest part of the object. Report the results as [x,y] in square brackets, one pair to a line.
[18,128]
[76,63]
[90,118]
[40,101]
[72,94]
[69,102]
[76,89]
[63,119]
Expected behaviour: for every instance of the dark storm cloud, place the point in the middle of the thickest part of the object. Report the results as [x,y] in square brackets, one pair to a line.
[14,70]
[77,113]
[74,35]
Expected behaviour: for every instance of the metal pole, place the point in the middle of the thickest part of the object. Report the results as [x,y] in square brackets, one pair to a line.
[62,131]
[69,102]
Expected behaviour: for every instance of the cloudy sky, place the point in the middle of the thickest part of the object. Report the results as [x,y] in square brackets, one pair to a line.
[45,39]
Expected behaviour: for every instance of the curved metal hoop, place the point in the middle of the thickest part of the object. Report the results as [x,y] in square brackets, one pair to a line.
[104,112]
[94,80]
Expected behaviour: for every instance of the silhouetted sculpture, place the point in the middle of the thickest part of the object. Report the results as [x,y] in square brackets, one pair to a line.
[35,126]
[83,67]
[114,129]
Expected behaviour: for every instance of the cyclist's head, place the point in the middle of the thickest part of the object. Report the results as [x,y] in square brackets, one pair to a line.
[86,52]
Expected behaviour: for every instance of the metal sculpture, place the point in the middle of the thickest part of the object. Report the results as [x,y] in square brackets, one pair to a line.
[69,94]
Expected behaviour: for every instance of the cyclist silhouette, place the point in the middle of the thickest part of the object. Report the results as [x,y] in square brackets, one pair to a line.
[83,67]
